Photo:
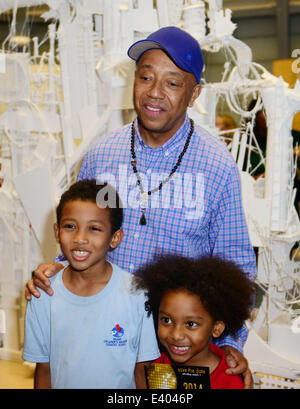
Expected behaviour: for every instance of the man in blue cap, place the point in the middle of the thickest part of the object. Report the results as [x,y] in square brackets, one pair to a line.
[167,81]
[162,140]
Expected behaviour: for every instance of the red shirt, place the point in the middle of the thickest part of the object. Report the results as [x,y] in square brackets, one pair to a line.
[219,379]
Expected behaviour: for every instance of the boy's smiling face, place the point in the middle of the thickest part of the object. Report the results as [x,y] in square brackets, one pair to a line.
[85,235]
[185,328]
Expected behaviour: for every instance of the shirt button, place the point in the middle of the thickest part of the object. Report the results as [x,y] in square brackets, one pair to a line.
[136,235]
[131,267]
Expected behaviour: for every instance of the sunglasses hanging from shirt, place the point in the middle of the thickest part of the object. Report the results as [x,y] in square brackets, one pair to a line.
[144,195]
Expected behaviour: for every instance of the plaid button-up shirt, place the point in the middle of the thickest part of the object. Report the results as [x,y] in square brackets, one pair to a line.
[198,212]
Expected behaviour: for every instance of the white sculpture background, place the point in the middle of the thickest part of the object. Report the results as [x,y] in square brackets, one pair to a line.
[57,103]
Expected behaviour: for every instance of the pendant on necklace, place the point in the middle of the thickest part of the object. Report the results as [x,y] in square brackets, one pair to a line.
[143,203]
[143,221]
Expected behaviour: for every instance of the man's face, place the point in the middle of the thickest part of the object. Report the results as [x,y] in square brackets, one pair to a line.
[162,93]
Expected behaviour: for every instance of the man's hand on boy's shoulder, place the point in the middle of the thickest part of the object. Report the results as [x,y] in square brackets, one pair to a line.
[40,278]
[238,365]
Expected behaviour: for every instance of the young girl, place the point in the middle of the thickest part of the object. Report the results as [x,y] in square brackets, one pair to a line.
[193,302]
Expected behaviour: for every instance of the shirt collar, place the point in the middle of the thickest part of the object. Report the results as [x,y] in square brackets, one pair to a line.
[177,140]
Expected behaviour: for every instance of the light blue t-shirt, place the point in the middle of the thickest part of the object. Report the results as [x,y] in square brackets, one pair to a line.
[90,342]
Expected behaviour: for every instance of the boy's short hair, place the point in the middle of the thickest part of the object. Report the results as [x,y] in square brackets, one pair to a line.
[223,288]
[89,190]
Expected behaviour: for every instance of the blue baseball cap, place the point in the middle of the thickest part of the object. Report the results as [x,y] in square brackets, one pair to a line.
[181,47]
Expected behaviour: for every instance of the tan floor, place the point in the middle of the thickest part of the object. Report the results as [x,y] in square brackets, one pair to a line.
[14,375]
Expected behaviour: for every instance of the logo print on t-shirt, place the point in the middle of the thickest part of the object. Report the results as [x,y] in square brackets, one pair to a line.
[117,331]
[116,337]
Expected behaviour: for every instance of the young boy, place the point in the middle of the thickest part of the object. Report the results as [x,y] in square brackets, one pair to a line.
[195,302]
[94,331]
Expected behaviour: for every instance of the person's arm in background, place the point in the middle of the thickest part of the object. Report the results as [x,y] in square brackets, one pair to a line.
[229,239]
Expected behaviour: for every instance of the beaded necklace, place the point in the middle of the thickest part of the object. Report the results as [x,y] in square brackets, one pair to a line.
[144,195]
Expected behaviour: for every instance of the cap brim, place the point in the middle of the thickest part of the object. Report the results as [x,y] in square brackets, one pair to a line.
[138,48]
